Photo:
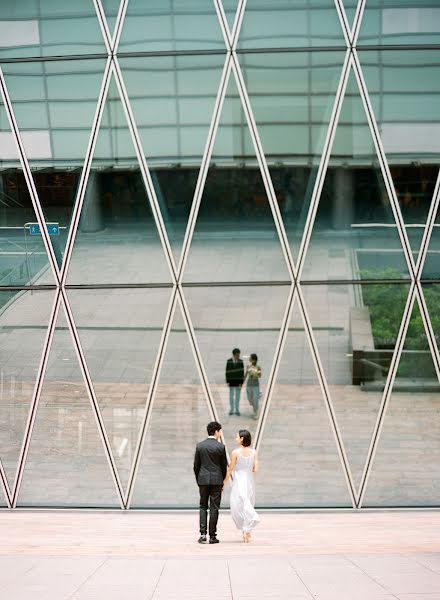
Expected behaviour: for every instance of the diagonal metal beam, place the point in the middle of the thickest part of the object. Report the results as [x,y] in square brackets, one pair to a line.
[423,253]
[92,396]
[238,22]
[327,397]
[386,394]
[264,169]
[36,398]
[351,32]
[323,164]
[145,171]
[195,206]
[5,485]
[105,30]
[111,39]
[223,22]
[177,300]
[278,354]
[28,177]
[346,29]
[82,186]
[429,229]
[296,299]
[357,23]
[119,25]
[386,174]
[429,331]
[139,449]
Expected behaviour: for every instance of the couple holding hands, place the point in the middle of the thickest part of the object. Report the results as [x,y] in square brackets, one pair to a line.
[212,473]
[236,375]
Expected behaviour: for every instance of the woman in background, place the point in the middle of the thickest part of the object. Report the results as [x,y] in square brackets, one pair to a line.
[252,378]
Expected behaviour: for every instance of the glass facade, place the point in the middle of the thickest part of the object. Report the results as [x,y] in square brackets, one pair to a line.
[182,177]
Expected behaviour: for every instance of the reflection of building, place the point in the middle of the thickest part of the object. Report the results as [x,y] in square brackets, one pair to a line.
[193,180]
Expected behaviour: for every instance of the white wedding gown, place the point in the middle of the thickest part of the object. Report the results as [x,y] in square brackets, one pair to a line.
[243,512]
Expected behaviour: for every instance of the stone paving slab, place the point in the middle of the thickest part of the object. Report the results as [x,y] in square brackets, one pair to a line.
[323,577]
[69,555]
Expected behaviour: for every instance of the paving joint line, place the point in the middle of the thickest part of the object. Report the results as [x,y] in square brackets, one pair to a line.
[3,587]
[415,558]
[312,596]
[371,577]
[229,579]
[87,578]
[158,579]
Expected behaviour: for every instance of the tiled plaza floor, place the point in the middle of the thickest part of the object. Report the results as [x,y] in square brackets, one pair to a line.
[154,556]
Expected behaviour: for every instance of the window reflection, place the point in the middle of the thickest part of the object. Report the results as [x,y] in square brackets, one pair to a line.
[405,471]
[397,22]
[355,329]
[31,28]
[24,317]
[171,25]
[290,23]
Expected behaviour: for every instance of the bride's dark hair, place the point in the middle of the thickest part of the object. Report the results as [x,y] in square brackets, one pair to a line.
[247,438]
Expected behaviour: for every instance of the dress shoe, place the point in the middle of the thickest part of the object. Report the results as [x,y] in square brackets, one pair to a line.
[202,539]
[214,540]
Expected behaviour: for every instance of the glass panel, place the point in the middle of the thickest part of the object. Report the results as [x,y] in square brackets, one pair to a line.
[111,8]
[66,464]
[23,257]
[354,235]
[431,268]
[178,420]
[172,98]
[171,25]
[404,89]
[54,105]
[230,8]
[49,28]
[235,238]
[23,324]
[248,318]
[350,10]
[117,239]
[3,502]
[290,23]
[355,329]
[292,97]
[405,468]
[120,332]
[397,22]
[299,461]
[431,292]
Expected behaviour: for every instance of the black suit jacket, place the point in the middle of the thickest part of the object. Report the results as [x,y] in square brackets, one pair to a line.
[210,462]
[234,372]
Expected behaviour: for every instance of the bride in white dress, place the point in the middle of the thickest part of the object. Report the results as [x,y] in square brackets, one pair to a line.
[244,465]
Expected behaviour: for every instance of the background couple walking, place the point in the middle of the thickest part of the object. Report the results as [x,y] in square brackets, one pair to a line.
[212,473]
[236,375]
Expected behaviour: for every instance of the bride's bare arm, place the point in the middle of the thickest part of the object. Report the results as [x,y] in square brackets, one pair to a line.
[231,467]
[256,464]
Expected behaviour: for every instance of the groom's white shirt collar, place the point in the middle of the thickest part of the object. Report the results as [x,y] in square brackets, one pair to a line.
[212,436]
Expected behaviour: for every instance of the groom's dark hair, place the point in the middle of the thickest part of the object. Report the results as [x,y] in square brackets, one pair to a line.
[213,427]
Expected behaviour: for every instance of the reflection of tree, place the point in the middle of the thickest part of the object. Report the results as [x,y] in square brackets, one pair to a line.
[386,302]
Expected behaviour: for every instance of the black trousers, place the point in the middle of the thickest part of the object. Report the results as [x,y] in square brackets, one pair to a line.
[212,495]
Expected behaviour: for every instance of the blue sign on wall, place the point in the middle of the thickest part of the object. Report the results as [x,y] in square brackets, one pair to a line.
[52,228]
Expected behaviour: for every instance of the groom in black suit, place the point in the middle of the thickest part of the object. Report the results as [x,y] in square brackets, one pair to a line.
[210,466]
